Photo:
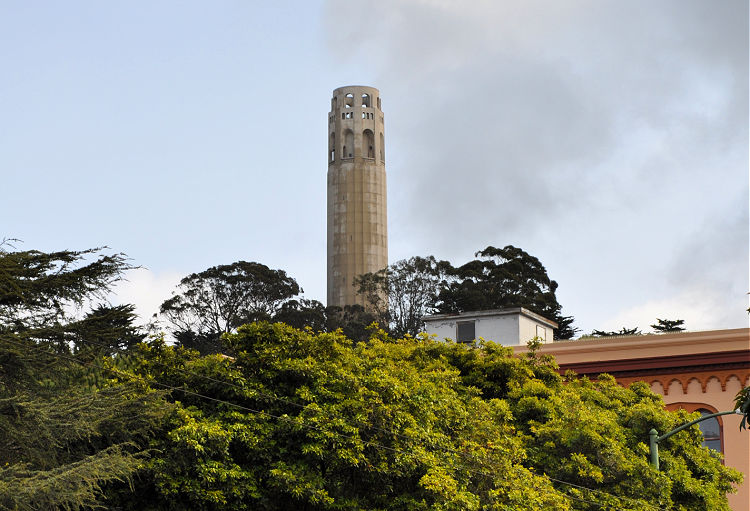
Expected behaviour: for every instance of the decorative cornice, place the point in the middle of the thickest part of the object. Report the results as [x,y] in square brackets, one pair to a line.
[738,359]
[654,346]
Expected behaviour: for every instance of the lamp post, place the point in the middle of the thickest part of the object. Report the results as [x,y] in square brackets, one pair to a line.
[654,438]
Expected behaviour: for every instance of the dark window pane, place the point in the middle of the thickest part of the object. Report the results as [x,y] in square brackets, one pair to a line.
[711,431]
[713,444]
[709,427]
[465,331]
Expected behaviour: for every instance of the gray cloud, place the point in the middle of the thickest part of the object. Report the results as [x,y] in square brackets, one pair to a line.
[587,130]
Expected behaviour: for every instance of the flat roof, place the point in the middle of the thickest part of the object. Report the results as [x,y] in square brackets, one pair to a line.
[508,311]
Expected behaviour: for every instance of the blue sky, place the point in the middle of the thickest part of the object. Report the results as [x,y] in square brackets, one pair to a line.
[608,139]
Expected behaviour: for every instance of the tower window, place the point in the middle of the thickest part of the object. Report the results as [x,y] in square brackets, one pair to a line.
[349,100]
[379,103]
[365,100]
[382,147]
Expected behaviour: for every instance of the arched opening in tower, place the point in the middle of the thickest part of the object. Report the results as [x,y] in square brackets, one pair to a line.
[369,143]
[348,151]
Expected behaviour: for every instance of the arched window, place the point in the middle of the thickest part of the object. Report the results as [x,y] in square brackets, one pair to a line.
[333,103]
[348,150]
[379,103]
[365,100]
[382,147]
[368,138]
[349,100]
[711,430]
[332,148]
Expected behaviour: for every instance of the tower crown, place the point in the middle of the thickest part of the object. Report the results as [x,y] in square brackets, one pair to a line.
[355,125]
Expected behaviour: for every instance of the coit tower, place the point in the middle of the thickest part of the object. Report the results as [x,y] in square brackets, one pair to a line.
[357,221]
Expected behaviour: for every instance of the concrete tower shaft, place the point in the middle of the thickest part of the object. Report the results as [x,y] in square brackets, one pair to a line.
[357,219]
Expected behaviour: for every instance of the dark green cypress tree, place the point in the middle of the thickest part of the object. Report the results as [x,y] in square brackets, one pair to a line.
[69,425]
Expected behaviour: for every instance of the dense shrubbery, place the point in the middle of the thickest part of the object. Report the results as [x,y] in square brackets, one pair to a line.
[302,420]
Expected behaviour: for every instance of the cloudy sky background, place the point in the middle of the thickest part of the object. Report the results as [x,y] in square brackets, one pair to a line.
[607,138]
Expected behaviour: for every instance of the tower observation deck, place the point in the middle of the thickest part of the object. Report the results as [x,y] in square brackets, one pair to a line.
[357,218]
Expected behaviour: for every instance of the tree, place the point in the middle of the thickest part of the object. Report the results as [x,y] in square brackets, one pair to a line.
[325,423]
[591,434]
[303,313]
[40,292]
[300,420]
[402,294]
[586,434]
[742,403]
[353,320]
[68,427]
[504,277]
[667,325]
[623,331]
[221,298]
[107,330]
[507,277]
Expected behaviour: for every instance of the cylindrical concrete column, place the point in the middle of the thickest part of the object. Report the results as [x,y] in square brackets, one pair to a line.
[357,219]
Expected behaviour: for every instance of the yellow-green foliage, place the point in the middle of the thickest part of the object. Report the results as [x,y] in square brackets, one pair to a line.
[319,422]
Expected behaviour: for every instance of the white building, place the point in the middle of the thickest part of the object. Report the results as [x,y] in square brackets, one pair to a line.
[513,326]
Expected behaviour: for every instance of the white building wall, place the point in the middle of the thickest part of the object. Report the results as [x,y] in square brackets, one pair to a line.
[500,329]
[530,329]
[506,327]
[442,329]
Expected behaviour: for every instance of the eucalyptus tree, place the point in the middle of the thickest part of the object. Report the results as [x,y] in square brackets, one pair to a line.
[218,300]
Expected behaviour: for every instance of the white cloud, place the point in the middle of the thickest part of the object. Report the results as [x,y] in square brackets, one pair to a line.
[609,139]
[701,309]
[146,290]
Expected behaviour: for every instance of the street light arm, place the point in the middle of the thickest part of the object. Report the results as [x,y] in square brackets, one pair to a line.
[654,438]
[704,417]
